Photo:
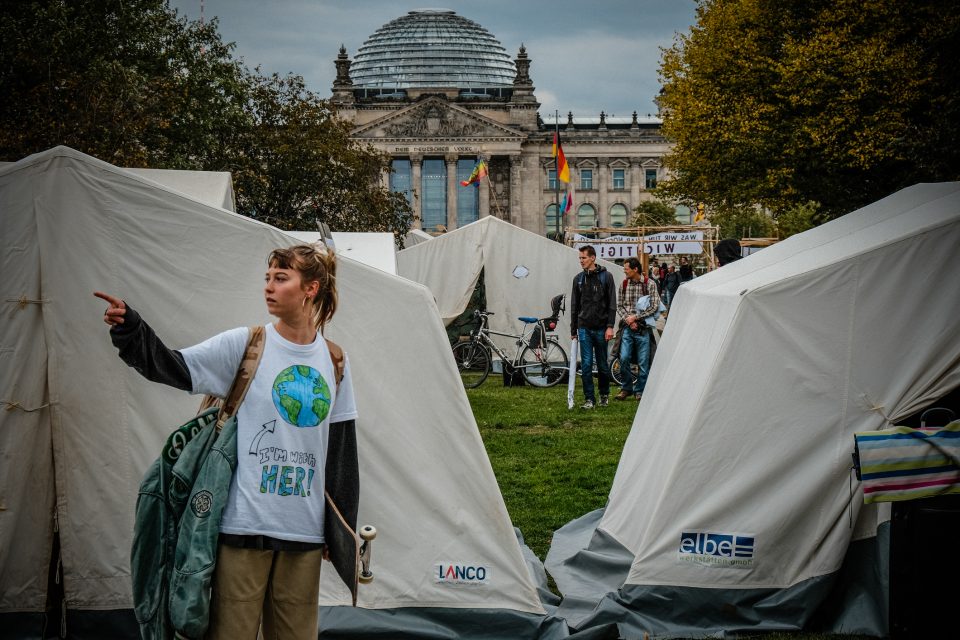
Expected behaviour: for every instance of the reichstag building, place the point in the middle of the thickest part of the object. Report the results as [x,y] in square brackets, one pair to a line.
[438,92]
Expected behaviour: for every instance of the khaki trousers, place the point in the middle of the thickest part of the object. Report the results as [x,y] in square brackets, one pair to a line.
[282,585]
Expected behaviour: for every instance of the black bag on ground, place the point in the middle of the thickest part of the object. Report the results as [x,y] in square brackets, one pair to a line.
[512,377]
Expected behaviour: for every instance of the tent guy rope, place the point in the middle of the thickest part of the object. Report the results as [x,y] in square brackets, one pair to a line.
[23,301]
[13,404]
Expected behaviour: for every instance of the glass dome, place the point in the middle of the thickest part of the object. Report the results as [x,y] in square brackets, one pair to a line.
[432,48]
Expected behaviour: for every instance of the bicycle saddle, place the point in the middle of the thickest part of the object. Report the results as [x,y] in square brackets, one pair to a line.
[526,320]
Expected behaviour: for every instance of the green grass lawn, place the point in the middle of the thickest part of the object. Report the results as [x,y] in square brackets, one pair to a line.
[552,464]
[555,464]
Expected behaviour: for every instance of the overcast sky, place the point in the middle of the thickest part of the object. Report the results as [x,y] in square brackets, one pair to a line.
[587,55]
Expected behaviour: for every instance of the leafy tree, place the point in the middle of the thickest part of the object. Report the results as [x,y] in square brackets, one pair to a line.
[134,84]
[653,213]
[126,82]
[837,102]
[316,173]
[797,219]
[742,222]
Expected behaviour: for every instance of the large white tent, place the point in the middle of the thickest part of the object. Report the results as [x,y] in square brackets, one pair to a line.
[82,428]
[376,249]
[214,188]
[732,508]
[416,236]
[522,272]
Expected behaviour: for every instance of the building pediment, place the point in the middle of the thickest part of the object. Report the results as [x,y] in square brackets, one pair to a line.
[435,119]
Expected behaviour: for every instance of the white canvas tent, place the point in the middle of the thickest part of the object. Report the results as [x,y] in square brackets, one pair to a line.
[522,272]
[416,236]
[373,249]
[82,427]
[214,188]
[732,507]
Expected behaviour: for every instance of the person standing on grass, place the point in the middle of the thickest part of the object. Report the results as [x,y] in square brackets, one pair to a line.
[593,310]
[635,344]
[271,533]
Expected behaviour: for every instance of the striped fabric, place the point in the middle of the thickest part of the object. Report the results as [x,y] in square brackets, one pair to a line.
[905,464]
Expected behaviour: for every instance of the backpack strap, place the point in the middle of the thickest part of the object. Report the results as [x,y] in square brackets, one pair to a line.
[623,287]
[336,356]
[245,373]
[583,275]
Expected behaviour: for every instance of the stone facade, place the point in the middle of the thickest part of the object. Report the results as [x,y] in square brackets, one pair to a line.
[621,156]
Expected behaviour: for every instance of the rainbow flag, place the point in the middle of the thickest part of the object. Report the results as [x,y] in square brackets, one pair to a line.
[479,171]
[563,169]
[905,464]
[566,203]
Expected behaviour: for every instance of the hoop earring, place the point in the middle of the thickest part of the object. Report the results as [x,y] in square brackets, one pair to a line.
[303,305]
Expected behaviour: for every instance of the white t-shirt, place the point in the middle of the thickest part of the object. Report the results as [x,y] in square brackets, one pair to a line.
[282,430]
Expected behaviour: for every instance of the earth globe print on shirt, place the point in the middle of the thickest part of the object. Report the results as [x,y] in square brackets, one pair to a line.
[301,396]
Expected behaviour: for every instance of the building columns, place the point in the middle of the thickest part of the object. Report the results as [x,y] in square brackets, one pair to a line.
[416,164]
[635,178]
[484,194]
[452,185]
[603,175]
[516,190]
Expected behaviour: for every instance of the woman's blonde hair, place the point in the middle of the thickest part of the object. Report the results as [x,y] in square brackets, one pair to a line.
[312,264]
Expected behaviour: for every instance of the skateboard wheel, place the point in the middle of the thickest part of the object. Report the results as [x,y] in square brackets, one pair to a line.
[365,578]
[368,532]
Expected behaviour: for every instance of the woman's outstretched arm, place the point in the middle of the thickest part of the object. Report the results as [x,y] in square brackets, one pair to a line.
[140,347]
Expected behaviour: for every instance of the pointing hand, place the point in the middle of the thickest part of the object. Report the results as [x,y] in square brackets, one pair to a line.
[115,313]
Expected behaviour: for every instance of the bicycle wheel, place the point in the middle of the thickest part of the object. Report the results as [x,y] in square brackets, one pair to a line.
[615,374]
[544,366]
[473,362]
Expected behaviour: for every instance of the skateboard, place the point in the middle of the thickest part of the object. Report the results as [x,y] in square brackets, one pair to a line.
[350,553]
[367,534]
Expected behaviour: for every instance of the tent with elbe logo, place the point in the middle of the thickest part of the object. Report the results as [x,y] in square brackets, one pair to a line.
[80,428]
[733,508]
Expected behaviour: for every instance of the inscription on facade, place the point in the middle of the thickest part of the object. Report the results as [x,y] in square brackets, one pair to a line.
[450,149]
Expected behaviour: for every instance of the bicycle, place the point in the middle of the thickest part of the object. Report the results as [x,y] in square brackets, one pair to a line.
[541,361]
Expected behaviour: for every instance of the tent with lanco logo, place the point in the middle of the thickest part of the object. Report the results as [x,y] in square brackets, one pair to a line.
[80,428]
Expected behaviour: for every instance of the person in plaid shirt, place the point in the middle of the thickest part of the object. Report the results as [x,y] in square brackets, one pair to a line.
[636,335]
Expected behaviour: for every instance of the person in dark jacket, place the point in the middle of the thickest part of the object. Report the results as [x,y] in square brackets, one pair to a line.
[727,251]
[593,313]
[671,283]
[272,527]
[686,269]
